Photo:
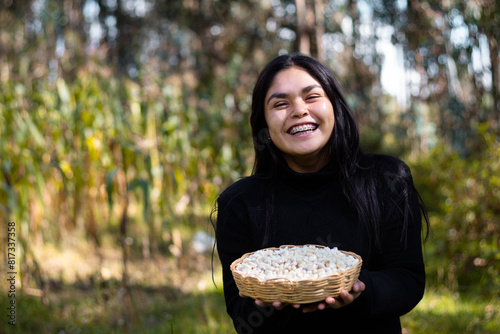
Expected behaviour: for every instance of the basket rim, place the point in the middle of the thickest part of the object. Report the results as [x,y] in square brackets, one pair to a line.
[292,281]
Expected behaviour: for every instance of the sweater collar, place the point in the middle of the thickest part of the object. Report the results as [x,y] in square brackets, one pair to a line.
[307,181]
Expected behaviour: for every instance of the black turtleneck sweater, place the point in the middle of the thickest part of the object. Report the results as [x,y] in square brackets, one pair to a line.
[312,209]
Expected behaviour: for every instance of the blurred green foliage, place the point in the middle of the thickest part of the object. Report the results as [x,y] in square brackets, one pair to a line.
[462,195]
[64,144]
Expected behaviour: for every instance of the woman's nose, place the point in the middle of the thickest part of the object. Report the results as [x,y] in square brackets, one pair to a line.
[299,110]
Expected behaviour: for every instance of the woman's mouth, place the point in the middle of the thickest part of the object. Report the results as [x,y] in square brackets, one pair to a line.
[302,129]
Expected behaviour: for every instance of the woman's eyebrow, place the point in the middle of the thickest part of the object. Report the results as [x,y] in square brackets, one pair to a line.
[285,95]
[310,88]
[277,95]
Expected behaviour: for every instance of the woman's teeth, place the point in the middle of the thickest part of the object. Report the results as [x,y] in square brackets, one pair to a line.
[302,129]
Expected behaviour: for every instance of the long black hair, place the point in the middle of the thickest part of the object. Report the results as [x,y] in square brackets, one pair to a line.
[358,182]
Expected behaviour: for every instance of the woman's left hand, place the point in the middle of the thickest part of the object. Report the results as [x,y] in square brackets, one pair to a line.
[344,299]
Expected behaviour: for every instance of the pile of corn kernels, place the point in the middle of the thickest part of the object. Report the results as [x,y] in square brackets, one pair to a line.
[295,263]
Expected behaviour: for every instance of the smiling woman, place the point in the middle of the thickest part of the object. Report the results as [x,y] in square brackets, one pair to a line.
[310,183]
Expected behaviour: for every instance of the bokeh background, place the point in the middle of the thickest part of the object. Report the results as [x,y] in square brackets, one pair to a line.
[121,121]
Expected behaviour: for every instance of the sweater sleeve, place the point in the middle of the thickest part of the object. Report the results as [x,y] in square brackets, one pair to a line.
[235,235]
[395,281]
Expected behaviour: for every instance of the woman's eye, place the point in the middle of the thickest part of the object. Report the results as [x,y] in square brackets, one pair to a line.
[312,97]
[280,104]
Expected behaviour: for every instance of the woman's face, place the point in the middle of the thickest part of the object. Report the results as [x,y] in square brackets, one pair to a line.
[300,118]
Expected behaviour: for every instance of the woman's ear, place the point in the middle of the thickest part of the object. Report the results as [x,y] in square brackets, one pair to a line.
[263,138]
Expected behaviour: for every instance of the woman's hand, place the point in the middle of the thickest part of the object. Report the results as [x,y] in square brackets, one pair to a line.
[344,299]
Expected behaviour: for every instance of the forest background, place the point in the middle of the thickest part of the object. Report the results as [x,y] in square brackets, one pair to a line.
[121,121]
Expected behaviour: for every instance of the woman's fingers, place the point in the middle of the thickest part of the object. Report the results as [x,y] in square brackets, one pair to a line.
[358,287]
[345,298]
[276,304]
[310,307]
[330,301]
[260,303]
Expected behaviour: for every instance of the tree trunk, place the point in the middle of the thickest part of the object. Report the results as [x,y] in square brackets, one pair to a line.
[302,30]
[493,45]
[310,27]
[319,29]
[121,183]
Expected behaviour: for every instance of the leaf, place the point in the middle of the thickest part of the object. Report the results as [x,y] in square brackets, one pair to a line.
[143,184]
[109,186]
[33,130]
[63,91]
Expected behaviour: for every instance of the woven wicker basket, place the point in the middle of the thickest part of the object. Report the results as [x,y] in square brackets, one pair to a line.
[296,291]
